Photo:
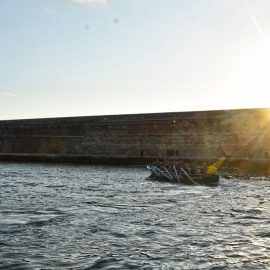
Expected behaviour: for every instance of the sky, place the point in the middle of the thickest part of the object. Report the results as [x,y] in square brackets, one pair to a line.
[96,57]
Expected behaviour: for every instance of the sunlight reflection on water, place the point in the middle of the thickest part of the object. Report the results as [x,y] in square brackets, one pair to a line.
[101,217]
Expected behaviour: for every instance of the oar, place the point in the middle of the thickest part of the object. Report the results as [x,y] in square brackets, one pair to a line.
[153,170]
[176,174]
[166,176]
[168,173]
[186,174]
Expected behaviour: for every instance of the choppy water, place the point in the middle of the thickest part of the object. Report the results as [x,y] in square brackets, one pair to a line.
[97,217]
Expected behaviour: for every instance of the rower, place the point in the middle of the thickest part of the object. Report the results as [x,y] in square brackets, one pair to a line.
[212,169]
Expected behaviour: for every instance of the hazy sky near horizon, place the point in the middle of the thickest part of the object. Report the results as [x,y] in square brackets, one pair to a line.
[91,57]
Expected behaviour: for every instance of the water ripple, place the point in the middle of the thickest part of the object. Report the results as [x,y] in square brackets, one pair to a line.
[101,217]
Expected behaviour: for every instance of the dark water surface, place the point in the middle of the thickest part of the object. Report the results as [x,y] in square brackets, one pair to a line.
[97,217]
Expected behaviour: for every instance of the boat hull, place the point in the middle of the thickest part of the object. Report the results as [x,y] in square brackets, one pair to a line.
[183,177]
[208,180]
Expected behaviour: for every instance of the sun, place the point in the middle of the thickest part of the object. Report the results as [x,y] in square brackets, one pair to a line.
[267,114]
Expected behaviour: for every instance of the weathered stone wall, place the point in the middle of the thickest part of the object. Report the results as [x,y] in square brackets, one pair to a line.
[207,134]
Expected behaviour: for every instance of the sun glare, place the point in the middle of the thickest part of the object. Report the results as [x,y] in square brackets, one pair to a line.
[267,114]
[252,82]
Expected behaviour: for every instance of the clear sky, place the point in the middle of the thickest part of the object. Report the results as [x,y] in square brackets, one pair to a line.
[91,57]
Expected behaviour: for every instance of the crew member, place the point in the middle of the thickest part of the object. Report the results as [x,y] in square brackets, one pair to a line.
[212,169]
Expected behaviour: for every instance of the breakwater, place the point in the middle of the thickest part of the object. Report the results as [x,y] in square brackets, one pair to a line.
[135,139]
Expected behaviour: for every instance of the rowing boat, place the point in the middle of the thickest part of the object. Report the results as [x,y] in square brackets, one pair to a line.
[181,176]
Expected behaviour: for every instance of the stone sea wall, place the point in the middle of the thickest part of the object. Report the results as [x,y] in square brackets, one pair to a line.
[136,139]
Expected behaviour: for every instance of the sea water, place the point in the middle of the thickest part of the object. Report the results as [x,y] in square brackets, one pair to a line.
[102,217]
